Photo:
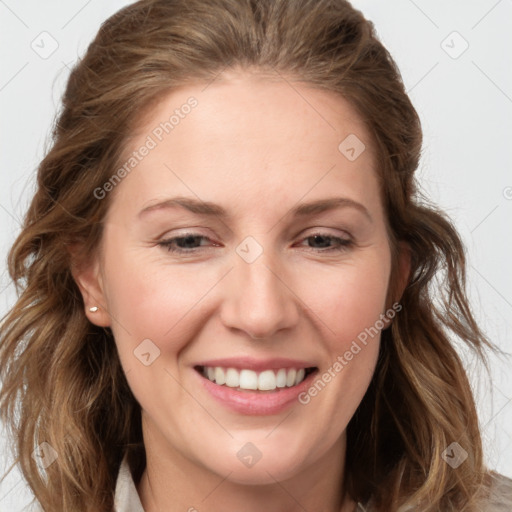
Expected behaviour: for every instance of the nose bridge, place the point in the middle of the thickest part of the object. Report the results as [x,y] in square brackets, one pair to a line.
[260,303]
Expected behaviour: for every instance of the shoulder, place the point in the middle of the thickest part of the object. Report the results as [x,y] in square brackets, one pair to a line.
[500,499]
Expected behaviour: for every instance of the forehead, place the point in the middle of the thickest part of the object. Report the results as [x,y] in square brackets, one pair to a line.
[250,139]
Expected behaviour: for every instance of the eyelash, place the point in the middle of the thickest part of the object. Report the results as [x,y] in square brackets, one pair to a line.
[344,244]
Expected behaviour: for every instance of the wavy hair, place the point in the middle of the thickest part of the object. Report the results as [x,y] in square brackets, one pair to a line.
[62,379]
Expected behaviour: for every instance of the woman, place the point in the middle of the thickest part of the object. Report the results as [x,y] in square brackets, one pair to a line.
[226,278]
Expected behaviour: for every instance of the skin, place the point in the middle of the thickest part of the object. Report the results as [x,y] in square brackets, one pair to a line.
[258,147]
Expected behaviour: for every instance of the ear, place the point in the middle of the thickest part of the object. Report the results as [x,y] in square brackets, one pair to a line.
[87,276]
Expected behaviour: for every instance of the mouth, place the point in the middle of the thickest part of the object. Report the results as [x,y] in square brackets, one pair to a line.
[249,380]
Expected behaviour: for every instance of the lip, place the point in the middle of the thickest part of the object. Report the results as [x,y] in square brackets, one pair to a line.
[255,403]
[258,365]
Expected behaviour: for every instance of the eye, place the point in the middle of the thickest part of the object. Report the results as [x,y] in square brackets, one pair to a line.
[191,243]
[325,241]
[183,244]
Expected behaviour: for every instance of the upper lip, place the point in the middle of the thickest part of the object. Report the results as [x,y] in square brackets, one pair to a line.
[251,363]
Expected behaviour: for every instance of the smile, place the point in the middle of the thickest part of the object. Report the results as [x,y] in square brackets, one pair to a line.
[255,386]
[250,380]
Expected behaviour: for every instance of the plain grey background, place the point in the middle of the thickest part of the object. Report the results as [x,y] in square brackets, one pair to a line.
[455,60]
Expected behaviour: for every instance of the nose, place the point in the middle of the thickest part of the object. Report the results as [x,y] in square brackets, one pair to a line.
[259,299]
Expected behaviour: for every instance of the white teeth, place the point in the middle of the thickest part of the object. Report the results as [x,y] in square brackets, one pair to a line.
[267,380]
[290,377]
[248,379]
[220,376]
[232,378]
[281,378]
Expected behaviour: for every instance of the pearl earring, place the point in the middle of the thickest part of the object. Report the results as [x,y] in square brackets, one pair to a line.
[93,309]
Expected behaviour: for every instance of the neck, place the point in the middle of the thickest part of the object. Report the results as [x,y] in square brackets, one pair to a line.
[171,482]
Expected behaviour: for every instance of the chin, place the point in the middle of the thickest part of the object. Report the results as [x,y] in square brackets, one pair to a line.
[244,464]
[262,473]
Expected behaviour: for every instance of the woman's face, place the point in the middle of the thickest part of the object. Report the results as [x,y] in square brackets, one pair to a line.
[272,267]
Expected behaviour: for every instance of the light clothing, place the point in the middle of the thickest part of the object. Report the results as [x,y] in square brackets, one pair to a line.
[127,498]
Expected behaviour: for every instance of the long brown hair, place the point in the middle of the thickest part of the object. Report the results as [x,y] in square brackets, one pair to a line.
[62,379]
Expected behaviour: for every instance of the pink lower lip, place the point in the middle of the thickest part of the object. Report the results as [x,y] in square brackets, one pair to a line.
[253,402]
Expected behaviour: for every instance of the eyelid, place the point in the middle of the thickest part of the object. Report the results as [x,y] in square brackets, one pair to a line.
[184,232]
[326,231]
[344,243]
[190,231]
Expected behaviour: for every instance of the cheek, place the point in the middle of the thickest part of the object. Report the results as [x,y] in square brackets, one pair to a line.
[351,306]
[152,313]
[148,304]
[350,299]
[349,309]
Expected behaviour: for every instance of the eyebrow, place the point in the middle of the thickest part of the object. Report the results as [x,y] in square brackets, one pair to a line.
[212,209]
